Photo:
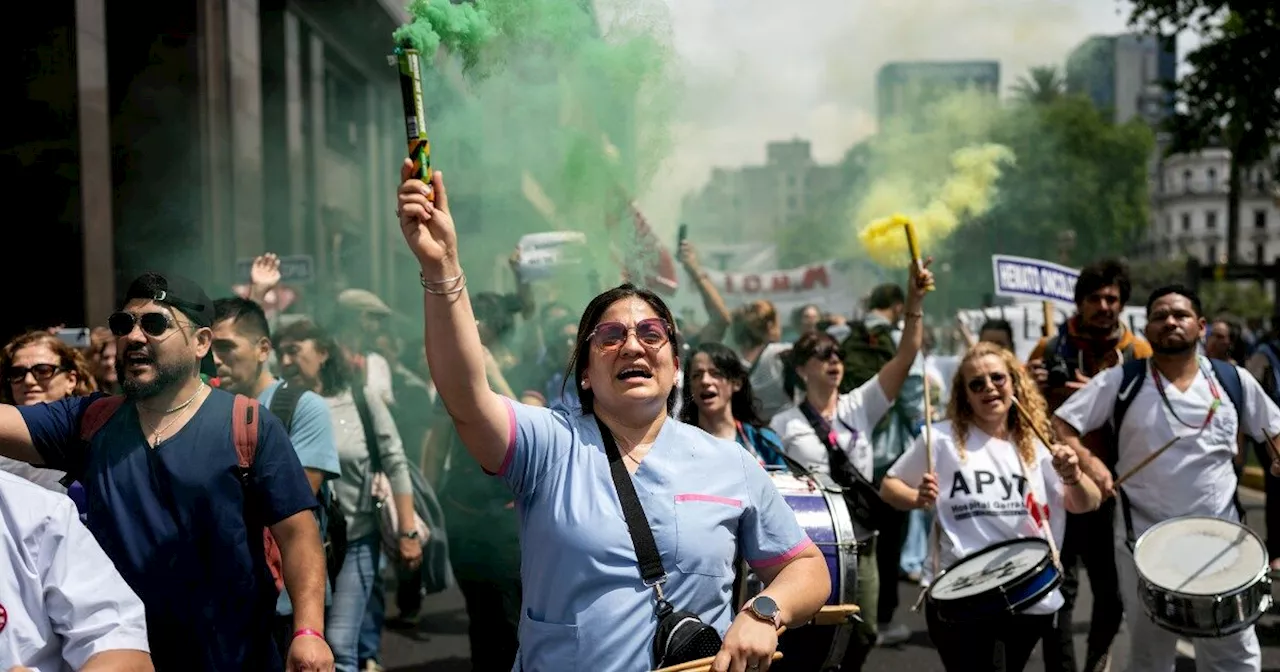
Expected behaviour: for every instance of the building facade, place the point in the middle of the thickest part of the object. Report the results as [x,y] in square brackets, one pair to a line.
[753,202]
[198,134]
[1124,75]
[1190,211]
[904,89]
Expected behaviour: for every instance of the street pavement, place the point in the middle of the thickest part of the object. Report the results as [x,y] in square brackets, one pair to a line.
[439,644]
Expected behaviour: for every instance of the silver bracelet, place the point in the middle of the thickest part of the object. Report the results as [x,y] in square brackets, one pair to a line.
[448,292]
[438,283]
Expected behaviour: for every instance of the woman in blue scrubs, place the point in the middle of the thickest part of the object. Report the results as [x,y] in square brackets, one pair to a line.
[584,603]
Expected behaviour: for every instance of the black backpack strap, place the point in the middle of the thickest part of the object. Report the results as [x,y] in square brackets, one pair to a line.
[370,432]
[1229,377]
[284,402]
[1130,383]
[651,570]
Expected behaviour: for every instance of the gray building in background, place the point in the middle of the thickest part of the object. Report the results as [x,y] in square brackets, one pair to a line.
[903,89]
[1125,75]
[192,134]
[753,202]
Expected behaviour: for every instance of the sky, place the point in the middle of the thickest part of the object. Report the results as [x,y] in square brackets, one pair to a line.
[754,71]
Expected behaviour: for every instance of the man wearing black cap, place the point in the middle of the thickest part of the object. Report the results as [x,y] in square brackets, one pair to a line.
[166,496]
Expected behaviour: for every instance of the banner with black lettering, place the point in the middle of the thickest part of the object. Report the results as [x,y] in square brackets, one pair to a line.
[834,286]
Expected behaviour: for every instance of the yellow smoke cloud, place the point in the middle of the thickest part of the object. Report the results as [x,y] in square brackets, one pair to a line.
[967,192]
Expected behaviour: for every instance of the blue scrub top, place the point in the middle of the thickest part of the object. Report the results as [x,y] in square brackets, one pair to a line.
[584,604]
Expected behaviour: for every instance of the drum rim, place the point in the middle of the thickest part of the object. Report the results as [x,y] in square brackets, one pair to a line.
[1260,576]
[1035,570]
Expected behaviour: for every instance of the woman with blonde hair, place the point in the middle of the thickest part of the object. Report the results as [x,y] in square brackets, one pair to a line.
[988,458]
[39,367]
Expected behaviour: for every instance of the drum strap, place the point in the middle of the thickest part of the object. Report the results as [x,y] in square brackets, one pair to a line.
[1131,538]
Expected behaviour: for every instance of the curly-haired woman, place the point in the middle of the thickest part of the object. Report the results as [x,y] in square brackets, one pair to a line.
[982,497]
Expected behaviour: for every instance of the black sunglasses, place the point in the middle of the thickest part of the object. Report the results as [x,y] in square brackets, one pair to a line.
[17,374]
[153,324]
[826,352]
[979,384]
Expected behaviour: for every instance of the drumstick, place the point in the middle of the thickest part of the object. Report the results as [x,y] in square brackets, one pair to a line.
[706,662]
[1142,465]
[928,424]
[1043,524]
[703,664]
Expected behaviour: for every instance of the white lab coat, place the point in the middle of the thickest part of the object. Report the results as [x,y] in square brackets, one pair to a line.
[61,599]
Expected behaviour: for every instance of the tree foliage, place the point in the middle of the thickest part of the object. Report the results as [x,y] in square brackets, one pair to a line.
[1075,172]
[1042,84]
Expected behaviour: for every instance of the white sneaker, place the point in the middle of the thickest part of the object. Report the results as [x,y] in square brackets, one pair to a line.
[892,635]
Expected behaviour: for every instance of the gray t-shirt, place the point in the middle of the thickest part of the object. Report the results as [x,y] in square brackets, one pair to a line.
[766,379]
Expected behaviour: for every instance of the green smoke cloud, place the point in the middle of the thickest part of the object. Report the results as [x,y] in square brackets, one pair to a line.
[541,119]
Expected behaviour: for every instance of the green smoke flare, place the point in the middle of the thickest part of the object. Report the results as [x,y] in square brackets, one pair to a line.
[538,104]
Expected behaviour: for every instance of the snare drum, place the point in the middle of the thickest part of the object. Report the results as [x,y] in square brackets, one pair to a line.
[1001,579]
[1202,577]
[819,506]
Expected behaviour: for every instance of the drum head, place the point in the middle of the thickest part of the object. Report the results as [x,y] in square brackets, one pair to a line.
[788,483]
[1200,556]
[990,568]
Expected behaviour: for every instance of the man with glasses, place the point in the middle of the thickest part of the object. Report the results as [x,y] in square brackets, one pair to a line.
[168,500]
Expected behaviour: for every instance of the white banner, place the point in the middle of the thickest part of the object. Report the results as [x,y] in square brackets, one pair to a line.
[541,252]
[834,286]
[1028,320]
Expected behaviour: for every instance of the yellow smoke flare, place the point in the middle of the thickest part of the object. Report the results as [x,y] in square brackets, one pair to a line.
[968,192]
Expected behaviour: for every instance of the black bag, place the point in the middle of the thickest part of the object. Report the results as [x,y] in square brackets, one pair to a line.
[865,351]
[333,524]
[682,636]
[860,495]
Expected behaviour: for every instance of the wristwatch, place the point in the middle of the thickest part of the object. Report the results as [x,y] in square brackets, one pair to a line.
[764,608]
[411,534]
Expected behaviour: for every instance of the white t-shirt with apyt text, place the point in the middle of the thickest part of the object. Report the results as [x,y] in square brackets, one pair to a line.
[982,499]
[1197,475]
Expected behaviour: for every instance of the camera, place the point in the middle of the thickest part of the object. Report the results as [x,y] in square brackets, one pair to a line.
[1061,370]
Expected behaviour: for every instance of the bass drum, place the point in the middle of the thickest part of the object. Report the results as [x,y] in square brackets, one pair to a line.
[819,506]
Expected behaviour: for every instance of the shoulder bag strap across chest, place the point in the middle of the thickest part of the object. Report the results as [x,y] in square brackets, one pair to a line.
[651,570]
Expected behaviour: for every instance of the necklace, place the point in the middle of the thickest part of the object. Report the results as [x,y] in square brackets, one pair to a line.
[181,406]
[157,432]
[1213,408]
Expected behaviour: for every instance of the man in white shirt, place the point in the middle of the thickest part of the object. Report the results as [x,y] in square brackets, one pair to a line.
[1176,397]
[63,605]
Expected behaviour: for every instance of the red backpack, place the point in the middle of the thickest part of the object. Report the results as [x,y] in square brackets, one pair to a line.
[244,434]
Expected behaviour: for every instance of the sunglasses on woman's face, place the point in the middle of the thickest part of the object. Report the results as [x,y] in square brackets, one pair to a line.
[826,352]
[653,333]
[979,384]
[41,372]
[153,324]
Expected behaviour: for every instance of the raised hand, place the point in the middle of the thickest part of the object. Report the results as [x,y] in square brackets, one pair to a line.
[927,493]
[427,226]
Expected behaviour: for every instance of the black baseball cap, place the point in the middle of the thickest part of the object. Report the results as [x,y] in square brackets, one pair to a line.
[181,294]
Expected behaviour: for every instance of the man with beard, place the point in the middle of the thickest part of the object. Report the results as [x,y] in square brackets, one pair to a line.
[1178,395]
[1093,340]
[169,503]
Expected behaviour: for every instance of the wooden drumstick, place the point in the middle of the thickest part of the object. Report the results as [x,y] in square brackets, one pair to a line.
[928,422]
[1043,524]
[705,663]
[1143,464]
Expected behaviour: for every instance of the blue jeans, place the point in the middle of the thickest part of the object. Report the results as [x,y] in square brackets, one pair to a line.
[371,632]
[916,546]
[351,601]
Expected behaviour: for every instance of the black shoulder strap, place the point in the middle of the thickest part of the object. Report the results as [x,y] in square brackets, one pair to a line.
[841,470]
[651,570]
[1229,376]
[1130,383]
[370,432]
[284,402]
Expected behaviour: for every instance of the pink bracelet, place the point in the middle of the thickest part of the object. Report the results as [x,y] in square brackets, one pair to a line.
[307,632]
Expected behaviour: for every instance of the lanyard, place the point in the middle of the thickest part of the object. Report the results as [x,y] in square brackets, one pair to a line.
[746,442]
[1213,389]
